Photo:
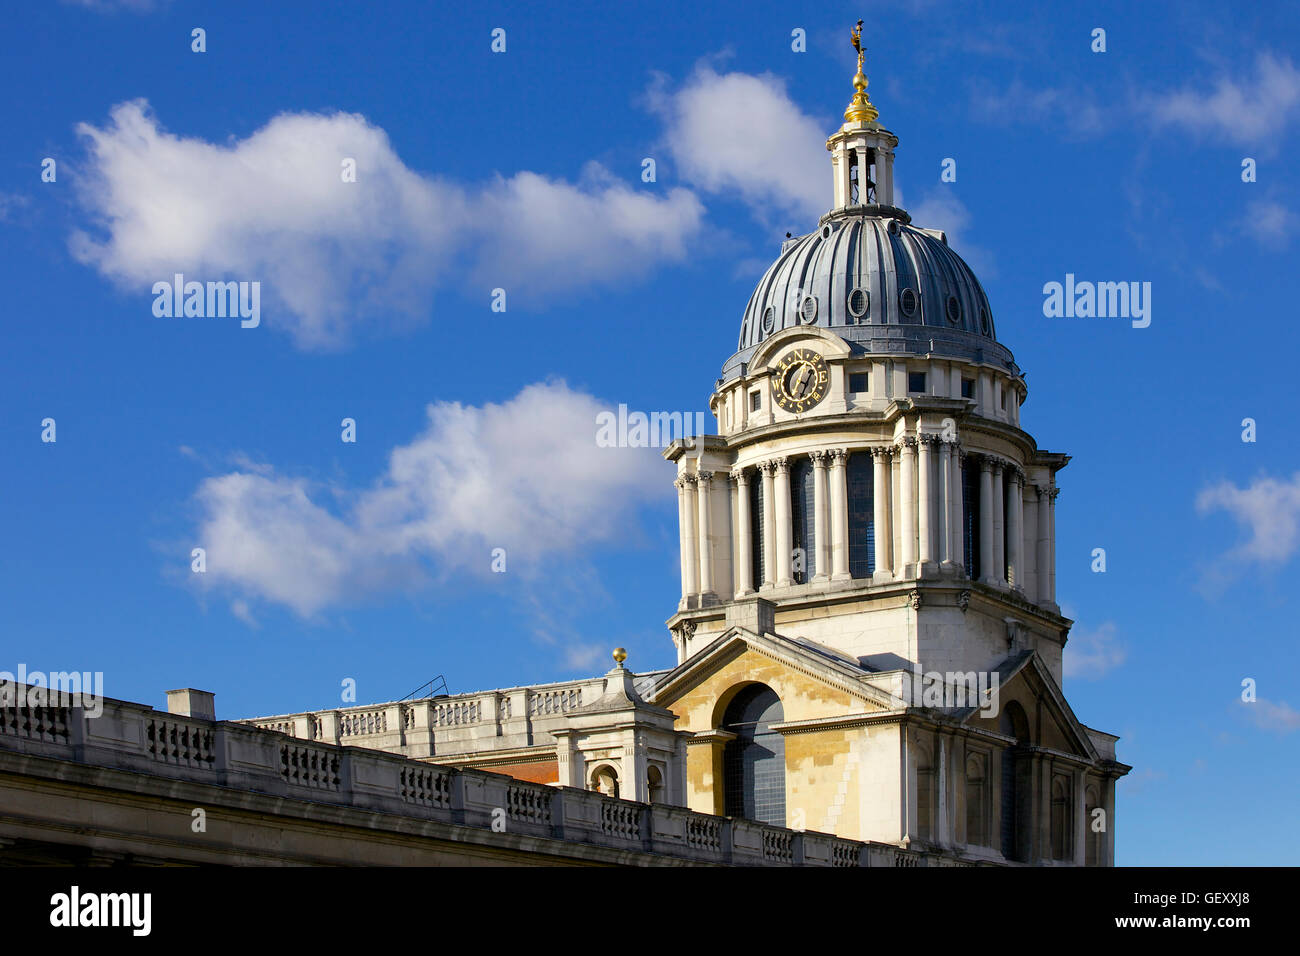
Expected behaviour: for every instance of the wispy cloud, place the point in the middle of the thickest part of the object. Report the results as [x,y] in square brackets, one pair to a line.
[1254,109]
[1276,716]
[1268,511]
[1093,654]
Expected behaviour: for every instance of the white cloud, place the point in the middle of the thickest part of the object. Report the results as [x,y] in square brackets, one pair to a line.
[525,475]
[942,210]
[1268,715]
[740,134]
[1253,109]
[274,208]
[1092,654]
[1019,103]
[1267,508]
[1269,223]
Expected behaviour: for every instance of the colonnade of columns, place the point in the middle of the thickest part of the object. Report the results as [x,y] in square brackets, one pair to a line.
[917,513]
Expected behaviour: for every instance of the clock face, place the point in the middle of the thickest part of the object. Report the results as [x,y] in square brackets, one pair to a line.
[801,381]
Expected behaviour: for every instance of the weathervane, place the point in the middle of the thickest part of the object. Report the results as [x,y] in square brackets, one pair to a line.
[860,109]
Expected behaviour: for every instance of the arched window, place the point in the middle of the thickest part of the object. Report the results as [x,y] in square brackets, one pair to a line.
[1061,819]
[1015,785]
[862,515]
[654,784]
[924,794]
[802,519]
[754,763]
[977,800]
[604,779]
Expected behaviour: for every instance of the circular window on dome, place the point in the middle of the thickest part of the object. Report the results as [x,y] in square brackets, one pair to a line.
[859,303]
[984,321]
[894,228]
[954,310]
[769,319]
[826,231]
[809,310]
[908,301]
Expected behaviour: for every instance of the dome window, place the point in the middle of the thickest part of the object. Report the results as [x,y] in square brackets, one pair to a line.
[907,301]
[826,231]
[894,228]
[859,303]
[984,321]
[954,310]
[809,310]
[769,319]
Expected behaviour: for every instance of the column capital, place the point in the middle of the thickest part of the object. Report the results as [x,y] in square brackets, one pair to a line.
[883,453]
[738,474]
[704,477]
[781,464]
[819,458]
[1053,493]
[683,481]
[839,456]
[764,467]
[906,442]
[928,439]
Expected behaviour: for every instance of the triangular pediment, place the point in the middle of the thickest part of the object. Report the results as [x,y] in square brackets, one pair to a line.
[1026,680]
[811,681]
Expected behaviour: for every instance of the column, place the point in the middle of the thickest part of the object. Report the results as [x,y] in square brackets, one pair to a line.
[1051,548]
[784,544]
[686,516]
[864,168]
[907,518]
[947,554]
[704,485]
[821,520]
[839,492]
[744,549]
[1080,818]
[1031,543]
[999,524]
[941,830]
[986,519]
[1041,560]
[880,503]
[958,509]
[925,504]
[769,525]
[1015,531]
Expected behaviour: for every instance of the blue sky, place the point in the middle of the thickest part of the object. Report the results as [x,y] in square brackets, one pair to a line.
[522,170]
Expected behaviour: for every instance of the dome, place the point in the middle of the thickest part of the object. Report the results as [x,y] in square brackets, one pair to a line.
[876,281]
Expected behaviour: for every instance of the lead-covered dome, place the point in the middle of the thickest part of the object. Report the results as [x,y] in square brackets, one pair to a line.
[859,271]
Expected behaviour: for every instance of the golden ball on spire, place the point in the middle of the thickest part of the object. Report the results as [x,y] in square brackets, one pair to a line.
[620,656]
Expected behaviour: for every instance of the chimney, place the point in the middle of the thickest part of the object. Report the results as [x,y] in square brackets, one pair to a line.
[189,702]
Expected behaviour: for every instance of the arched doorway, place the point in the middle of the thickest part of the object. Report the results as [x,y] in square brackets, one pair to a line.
[1015,784]
[754,763]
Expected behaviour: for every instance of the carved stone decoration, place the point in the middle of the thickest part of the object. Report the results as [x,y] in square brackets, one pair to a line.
[914,599]
[738,474]
[883,453]
[765,467]
[963,601]
[839,456]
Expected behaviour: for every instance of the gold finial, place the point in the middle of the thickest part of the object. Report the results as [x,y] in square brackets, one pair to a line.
[620,656]
[860,109]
